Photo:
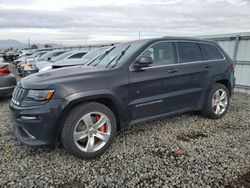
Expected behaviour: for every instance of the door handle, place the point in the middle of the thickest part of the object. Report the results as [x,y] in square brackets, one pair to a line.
[173,70]
[206,66]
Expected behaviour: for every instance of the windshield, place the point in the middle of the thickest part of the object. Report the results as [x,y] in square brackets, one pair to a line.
[30,53]
[50,54]
[45,56]
[117,54]
[93,53]
[36,54]
[62,56]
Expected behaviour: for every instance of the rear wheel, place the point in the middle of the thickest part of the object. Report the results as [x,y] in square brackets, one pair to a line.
[88,130]
[217,102]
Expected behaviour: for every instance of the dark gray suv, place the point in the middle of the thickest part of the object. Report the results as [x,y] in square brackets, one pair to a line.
[83,107]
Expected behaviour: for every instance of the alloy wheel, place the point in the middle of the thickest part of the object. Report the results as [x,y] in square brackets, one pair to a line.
[219,101]
[92,131]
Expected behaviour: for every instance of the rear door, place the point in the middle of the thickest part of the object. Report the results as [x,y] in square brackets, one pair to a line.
[154,90]
[193,73]
[214,60]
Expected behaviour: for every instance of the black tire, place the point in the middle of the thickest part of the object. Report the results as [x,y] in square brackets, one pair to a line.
[207,110]
[68,127]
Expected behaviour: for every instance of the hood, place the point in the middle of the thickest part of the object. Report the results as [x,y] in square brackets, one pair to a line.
[45,69]
[20,59]
[52,78]
[69,62]
[42,64]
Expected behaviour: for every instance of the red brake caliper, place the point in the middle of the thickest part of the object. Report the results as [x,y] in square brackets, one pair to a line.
[102,128]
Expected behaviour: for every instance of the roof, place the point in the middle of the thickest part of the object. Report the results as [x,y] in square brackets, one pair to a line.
[195,39]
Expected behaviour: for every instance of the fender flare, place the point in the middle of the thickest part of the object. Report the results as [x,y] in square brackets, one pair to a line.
[211,83]
[79,97]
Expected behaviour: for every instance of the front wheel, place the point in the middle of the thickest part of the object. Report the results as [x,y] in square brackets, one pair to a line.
[88,130]
[217,102]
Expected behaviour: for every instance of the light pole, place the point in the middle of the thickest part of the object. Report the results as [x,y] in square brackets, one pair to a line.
[28,42]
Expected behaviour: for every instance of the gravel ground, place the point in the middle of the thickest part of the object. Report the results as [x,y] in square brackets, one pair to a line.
[180,151]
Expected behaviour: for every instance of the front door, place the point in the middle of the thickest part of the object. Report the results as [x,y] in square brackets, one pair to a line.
[154,90]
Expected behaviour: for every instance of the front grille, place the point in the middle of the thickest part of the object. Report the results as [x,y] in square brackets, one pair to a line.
[18,95]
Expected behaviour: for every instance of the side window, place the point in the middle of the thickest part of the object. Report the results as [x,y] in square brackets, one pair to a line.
[78,55]
[210,52]
[162,53]
[189,52]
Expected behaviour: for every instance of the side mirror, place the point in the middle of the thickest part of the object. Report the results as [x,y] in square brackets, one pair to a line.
[143,62]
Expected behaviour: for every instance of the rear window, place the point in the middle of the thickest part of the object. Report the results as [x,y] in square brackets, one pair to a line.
[210,52]
[189,52]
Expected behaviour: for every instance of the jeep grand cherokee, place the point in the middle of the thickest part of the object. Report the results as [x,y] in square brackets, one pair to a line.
[83,107]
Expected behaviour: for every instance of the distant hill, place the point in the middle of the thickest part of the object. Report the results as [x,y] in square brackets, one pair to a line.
[10,43]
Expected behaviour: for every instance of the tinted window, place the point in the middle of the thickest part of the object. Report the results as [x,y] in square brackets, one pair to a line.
[189,52]
[78,55]
[161,53]
[210,52]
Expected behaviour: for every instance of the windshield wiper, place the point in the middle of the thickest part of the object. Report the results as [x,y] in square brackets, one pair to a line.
[120,56]
[102,56]
[111,61]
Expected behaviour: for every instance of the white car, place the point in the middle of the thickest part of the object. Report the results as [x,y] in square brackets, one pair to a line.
[71,55]
[91,55]
[29,57]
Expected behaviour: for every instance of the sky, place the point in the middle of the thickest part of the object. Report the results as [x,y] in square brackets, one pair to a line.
[99,21]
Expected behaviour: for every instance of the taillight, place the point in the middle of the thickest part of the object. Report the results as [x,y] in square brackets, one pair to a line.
[29,64]
[4,70]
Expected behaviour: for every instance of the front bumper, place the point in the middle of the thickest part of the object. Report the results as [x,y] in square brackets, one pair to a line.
[37,126]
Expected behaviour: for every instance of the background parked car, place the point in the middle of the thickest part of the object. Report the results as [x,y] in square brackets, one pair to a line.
[7,80]
[35,56]
[76,54]
[72,54]
[28,53]
[11,55]
[22,57]
[1,57]
[91,55]
[28,59]
[41,62]
[49,55]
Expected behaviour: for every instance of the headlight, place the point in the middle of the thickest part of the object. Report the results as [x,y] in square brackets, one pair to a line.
[40,95]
